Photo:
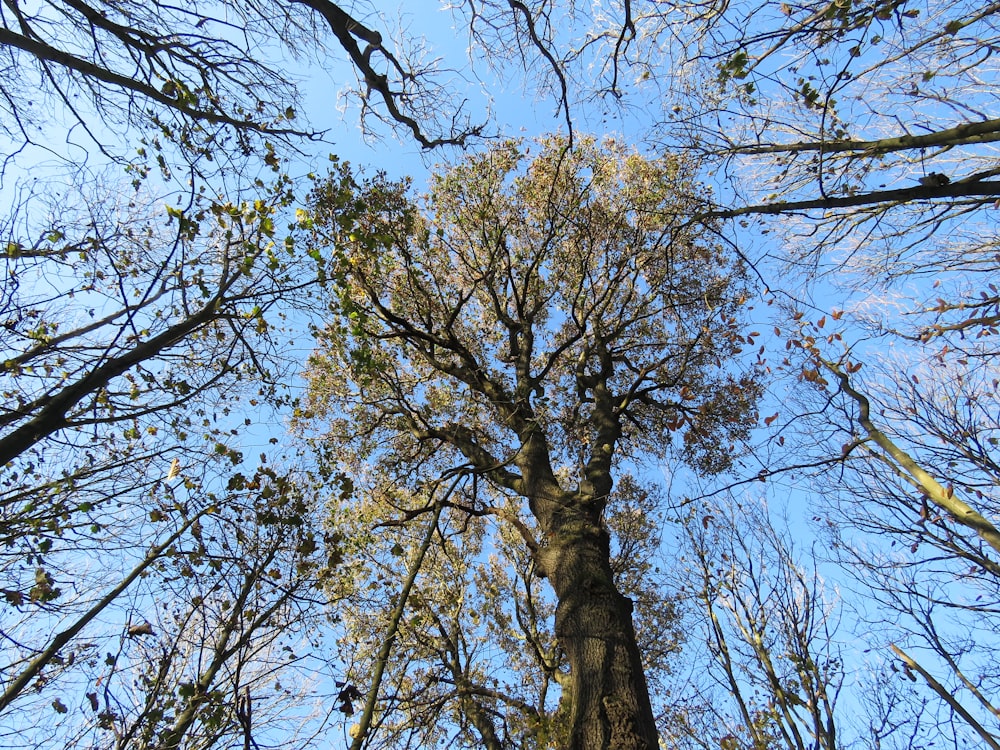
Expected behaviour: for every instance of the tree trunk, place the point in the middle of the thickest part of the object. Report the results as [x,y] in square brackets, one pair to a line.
[608,701]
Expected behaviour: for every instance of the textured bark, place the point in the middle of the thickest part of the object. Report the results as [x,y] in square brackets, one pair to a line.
[608,700]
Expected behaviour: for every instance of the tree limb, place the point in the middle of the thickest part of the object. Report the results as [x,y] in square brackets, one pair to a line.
[957,189]
[947,697]
[945,499]
[986,131]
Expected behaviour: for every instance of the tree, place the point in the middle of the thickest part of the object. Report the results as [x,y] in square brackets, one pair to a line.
[134,353]
[229,652]
[473,660]
[116,334]
[542,325]
[919,456]
[197,74]
[211,636]
[129,349]
[886,226]
[772,672]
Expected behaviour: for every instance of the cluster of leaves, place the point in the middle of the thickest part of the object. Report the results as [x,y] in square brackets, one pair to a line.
[562,300]
[585,259]
[152,592]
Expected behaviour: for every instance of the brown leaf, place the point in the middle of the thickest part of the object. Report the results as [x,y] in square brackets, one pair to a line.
[143,628]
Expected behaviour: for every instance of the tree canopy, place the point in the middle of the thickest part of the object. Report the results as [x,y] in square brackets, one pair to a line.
[545,321]
[204,74]
[537,502]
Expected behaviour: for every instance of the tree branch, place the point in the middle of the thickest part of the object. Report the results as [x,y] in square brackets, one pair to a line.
[958,189]
[348,30]
[44,51]
[382,658]
[986,131]
[36,665]
[947,697]
[945,499]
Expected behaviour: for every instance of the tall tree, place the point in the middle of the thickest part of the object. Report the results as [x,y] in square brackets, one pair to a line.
[543,323]
[138,340]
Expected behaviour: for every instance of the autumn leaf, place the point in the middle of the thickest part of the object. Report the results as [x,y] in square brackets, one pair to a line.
[143,628]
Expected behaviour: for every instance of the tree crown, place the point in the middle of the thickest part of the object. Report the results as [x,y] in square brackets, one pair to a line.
[562,296]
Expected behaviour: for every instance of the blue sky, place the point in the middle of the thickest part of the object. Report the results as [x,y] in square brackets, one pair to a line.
[517,113]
